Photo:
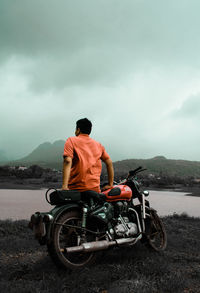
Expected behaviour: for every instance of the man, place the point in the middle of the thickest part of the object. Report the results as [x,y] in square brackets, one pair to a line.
[82,160]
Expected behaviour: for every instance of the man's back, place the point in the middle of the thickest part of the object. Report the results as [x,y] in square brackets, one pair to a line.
[86,154]
[82,160]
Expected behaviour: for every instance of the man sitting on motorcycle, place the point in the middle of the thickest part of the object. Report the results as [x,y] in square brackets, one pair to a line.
[82,160]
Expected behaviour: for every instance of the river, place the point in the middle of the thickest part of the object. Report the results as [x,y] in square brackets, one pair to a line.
[21,204]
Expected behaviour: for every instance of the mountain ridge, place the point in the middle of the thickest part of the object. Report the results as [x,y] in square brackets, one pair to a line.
[49,155]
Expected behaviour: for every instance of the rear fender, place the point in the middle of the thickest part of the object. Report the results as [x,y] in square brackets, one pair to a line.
[56,213]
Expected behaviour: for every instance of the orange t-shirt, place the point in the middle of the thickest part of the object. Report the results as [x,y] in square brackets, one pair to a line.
[86,154]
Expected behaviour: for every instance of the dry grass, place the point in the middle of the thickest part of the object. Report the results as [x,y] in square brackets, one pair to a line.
[26,267]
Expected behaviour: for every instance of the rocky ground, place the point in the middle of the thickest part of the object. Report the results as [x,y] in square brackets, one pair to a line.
[26,267]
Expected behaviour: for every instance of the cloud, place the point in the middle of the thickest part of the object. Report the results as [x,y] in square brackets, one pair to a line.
[98,42]
[126,65]
[189,109]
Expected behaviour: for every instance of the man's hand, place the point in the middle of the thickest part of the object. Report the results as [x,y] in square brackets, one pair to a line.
[65,187]
[107,187]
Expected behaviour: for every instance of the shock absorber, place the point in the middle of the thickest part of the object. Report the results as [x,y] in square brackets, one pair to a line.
[83,224]
[84,216]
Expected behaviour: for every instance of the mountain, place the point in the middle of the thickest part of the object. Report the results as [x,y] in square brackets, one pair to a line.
[161,166]
[46,155]
[46,152]
[49,155]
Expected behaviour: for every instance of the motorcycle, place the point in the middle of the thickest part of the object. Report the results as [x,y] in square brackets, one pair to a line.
[82,223]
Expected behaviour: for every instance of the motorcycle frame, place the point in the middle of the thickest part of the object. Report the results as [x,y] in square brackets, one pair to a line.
[53,215]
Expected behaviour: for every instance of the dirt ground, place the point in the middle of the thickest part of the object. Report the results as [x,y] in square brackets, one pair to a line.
[26,267]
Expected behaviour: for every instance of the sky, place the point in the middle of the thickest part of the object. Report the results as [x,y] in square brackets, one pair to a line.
[132,67]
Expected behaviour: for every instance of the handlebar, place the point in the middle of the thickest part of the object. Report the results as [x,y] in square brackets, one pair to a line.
[135,171]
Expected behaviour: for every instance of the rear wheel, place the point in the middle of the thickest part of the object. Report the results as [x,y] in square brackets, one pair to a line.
[157,237]
[64,236]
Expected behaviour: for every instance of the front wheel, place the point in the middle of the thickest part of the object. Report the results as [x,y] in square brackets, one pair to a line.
[156,236]
[66,233]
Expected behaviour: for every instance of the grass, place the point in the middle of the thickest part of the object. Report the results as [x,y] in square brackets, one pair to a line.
[26,267]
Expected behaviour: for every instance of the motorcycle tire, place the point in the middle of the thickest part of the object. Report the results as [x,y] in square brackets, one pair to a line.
[63,237]
[157,237]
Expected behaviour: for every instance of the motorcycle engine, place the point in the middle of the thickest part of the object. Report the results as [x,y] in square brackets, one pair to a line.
[125,228]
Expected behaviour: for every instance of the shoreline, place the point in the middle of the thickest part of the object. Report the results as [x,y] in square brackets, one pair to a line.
[192,191]
[189,191]
[30,185]
[21,186]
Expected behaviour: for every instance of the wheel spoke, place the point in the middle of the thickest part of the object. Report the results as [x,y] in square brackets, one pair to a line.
[67,232]
[71,237]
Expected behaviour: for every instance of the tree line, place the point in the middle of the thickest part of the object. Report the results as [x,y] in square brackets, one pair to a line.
[148,180]
[33,171]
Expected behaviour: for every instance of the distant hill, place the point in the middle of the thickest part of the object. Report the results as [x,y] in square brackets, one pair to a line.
[161,166]
[46,152]
[49,155]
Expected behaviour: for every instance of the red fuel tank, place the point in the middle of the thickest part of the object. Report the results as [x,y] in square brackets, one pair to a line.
[118,192]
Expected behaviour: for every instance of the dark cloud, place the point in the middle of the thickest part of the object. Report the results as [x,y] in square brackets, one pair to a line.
[98,42]
[123,64]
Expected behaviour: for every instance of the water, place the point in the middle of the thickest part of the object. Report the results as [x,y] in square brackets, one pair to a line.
[169,202]
[21,204]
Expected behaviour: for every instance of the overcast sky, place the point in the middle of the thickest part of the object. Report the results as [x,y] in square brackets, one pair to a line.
[132,67]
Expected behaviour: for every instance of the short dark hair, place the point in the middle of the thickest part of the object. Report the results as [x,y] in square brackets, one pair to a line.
[84,125]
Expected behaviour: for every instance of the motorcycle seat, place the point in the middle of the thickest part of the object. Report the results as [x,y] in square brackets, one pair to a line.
[93,194]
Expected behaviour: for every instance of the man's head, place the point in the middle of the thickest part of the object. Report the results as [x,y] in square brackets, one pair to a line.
[83,126]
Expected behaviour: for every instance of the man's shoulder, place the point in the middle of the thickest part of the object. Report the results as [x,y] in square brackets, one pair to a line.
[98,145]
[95,141]
[75,140]
[70,140]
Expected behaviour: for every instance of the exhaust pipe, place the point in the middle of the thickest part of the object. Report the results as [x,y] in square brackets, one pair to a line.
[101,245]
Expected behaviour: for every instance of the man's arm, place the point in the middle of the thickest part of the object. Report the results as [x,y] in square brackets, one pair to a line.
[110,172]
[67,163]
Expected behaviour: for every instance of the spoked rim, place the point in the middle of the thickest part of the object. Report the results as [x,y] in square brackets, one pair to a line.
[157,236]
[69,237]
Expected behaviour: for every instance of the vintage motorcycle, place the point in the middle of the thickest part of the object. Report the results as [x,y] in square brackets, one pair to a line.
[82,223]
